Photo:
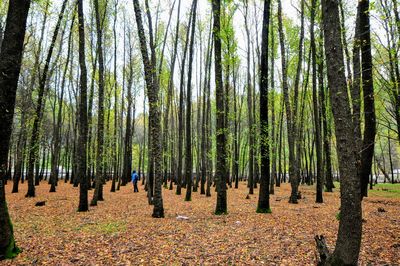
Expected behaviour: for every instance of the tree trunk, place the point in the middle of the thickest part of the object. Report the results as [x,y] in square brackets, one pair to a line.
[317,122]
[220,174]
[10,66]
[250,108]
[367,152]
[350,226]
[263,199]
[181,110]
[81,156]
[34,143]
[154,112]
[57,132]
[98,192]
[290,117]
[188,155]
[273,123]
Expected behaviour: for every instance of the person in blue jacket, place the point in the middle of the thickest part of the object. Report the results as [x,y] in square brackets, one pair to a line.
[135,179]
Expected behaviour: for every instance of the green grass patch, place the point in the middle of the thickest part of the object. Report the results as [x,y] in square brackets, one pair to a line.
[103,228]
[385,190]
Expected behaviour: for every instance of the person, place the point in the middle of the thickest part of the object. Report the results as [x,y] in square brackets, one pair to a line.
[135,179]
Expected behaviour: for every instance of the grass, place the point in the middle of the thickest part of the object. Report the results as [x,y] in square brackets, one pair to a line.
[385,190]
[104,228]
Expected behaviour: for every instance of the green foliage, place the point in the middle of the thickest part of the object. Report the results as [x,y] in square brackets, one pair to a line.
[229,42]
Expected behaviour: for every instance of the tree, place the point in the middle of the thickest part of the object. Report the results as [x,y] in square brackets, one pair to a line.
[188,155]
[154,113]
[221,166]
[263,199]
[82,117]
[350,225]
[98,192]
[291,109]
[182,108]
[368,144]
[317,122]
[34,143]
[10,66]
[57,136]
[249,106]
[127,160]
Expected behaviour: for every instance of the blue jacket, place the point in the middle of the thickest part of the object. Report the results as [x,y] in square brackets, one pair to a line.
[135,177]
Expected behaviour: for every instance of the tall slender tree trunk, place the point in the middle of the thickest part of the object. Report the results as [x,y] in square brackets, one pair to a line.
[10,66]
[166,130]
[290,117]
[114,174]
[182,109]
[325,125]
[273,124]
[81,155]
[350,225]
[204,136]
[57,132]
[127,166]
[154,112]
[263,199]
[367,152]
[250,107]
[221,167]
[317,122]
[188,155]
[19,164]
[35,135]
[98,192]
[208,125]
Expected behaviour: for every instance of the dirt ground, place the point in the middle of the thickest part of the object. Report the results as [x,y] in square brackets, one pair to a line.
[120,230]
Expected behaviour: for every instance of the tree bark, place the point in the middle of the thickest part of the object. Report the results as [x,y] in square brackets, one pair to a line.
[221,166]
[188,155]
[10,66]
[154,112]
[57,132]
[81,155]
[317,122]
[350,226]
[98,192]
[34,143]
[182,109]
[290,117]
[368,144]
[263,199]
[249,107]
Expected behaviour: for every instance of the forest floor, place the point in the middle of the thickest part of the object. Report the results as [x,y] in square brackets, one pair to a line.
[120,230]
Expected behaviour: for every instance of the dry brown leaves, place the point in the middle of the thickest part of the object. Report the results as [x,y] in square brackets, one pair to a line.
[120,231]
